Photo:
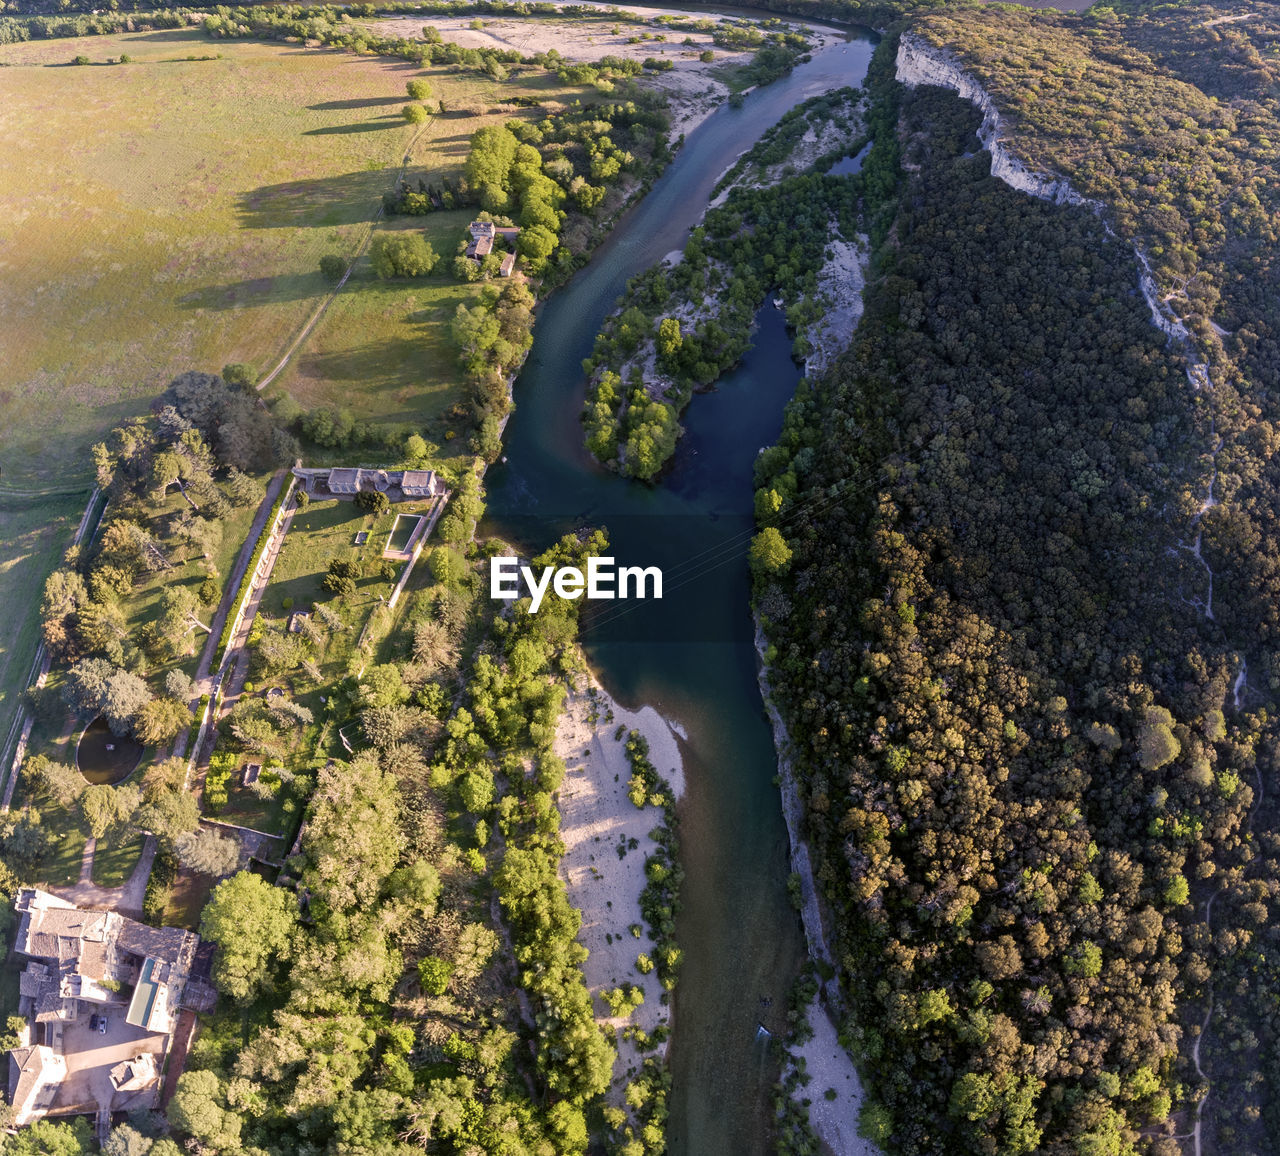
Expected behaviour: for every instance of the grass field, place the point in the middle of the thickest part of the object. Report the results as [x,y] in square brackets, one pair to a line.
[383,349]
[324,532]
[33,536]
[170,214]
[114,863]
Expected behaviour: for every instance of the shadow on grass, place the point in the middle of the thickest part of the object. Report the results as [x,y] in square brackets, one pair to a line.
[171,36]
[288,287]
[360,102]
[257,291]
[318,202]
[391,120]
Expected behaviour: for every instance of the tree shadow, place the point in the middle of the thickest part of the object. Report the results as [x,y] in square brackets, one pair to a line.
[361,102]
[317,202]
[170,36]
[388,121]
[257,291]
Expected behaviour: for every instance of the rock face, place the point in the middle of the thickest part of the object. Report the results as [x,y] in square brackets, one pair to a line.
[920,62]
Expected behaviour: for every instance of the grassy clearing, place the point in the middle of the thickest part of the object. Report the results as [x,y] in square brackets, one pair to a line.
[187,897]
[325,532]
[32,539]
[61,866]
[246,810]
[113,863]
[383,349]
[189,235]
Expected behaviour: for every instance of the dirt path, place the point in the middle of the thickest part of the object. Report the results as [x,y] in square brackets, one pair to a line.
[329,297]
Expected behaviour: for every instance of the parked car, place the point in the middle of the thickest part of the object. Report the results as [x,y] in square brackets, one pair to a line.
[93,1023]
[102,1025]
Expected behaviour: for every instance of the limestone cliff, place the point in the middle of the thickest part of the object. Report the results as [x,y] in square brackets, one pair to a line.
[920,62]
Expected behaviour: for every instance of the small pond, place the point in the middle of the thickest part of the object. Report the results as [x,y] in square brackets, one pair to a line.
[847,166]
[102,757]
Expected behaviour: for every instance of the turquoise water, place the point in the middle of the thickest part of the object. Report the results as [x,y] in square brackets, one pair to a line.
[691,654]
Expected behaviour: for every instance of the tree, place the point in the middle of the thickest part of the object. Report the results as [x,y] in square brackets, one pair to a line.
[353,838]
[199,1108]
[415,114]
[85,687]
[160,720]
[434,974]
[170,815]
[126,1140]
[536,244]
[239,374]
[669,339]
[332,268]
[45,1138]
[56,781]
[769,552]
[207,851]
[372,501]
[419,88]
[417,451]
[252,923]
[103,807]
[402,255]
[126,696]
[1157,744]
[179,685]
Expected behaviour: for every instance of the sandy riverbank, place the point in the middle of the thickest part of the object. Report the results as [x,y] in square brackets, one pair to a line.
[828,1065]
[596,818]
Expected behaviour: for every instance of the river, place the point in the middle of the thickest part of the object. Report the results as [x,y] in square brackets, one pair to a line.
[690,655]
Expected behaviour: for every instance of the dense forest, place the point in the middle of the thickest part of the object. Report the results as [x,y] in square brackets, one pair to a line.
[1022,563]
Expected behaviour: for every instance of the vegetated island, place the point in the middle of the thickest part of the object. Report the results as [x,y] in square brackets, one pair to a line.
[770,234]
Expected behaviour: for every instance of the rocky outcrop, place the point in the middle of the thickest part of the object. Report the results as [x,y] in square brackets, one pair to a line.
[920,62]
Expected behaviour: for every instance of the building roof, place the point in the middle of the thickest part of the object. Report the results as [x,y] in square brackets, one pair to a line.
[508,263]
[135,1074]
[482,229]
[32,1069]
[344,476]
[415,480]
[165,943]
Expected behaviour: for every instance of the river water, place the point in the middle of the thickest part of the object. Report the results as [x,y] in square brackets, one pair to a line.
[690,655]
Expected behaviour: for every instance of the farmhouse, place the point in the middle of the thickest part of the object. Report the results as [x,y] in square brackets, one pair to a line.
[101,995]
[342,482]
[481,244]
[483,236]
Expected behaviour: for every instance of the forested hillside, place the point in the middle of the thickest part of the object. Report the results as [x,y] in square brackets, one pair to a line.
[1027,753]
